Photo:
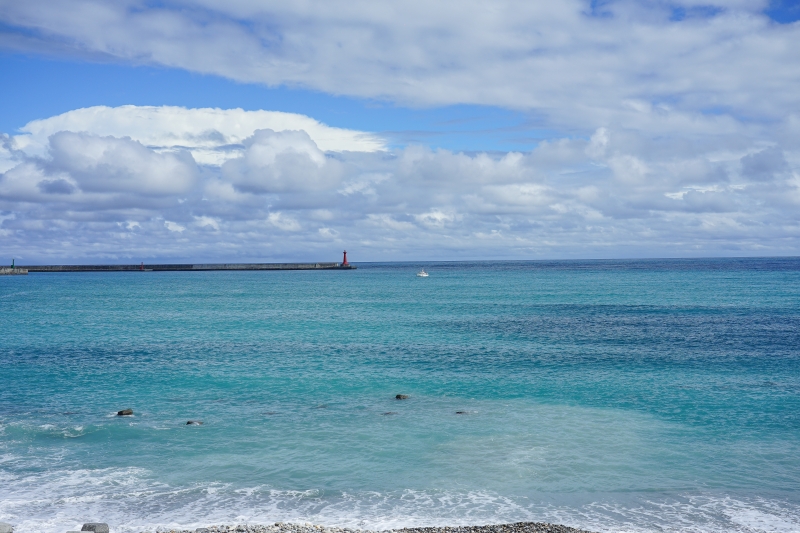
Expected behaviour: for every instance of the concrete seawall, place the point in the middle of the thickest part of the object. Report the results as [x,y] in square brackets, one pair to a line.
[186,267]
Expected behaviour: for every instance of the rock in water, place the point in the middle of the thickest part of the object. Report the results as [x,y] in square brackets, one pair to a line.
[194,423]
[125,412]
[401,397]
[201,530]
[6,528]
[96,527]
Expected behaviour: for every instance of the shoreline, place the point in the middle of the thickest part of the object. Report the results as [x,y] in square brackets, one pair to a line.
[282,527]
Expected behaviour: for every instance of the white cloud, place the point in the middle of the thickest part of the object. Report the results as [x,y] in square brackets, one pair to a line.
[283,222]
[328,233]
[616,192]
[110,164]
[8,160]
[174,226]
[21,183]
[207,222]
[628,168]
[635,66]
[363,184]
[386,221]
[212,136]
[275,162]
[435,218]
[598,144]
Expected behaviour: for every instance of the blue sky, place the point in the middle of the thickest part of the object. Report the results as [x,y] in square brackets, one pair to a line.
[39,87]
[512,130]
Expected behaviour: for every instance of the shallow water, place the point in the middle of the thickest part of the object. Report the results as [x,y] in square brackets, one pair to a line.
[609,395]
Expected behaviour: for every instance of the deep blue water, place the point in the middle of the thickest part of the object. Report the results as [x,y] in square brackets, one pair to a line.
[657,395]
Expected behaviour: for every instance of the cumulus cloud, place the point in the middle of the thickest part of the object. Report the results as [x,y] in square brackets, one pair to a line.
[281,162]
[109,164]
[212,136]
[614,192]
[92,173]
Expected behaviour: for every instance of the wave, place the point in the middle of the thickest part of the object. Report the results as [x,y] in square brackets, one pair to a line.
[132,500]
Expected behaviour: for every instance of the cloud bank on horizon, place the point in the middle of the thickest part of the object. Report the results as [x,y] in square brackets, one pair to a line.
[674,131]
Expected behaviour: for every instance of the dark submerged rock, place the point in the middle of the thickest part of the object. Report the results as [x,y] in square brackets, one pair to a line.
[389,413]
[124,412]
[401,397]
[461,412]
[96,527]
[194,423]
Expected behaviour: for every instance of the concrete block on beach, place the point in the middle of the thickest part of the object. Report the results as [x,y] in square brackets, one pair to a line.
[96,527]
[6,528]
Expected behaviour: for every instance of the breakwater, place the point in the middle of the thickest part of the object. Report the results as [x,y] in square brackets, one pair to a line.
[187,267]
[13,271]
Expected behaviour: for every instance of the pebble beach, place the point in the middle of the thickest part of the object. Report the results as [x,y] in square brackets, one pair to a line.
[519,527]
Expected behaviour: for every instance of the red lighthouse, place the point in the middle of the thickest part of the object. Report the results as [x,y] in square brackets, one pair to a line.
[344,261]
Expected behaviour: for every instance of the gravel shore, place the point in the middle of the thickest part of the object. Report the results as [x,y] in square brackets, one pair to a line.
[519,527]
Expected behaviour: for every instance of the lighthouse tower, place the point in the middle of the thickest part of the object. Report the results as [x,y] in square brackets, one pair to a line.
[344,261]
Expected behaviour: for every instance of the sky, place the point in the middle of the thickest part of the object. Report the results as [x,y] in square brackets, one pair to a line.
[253,130]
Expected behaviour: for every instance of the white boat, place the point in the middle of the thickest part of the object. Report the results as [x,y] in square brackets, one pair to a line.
[422,274]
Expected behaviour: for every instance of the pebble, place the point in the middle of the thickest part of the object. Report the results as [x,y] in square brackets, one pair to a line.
[281,527]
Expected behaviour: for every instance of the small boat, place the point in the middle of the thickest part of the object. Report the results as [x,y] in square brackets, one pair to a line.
[422,274]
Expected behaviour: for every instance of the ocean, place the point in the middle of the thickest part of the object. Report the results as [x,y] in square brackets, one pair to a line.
[642,395]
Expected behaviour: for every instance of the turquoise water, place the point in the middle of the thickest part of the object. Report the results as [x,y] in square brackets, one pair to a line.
[610,395]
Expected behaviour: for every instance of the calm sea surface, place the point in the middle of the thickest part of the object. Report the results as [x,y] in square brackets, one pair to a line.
[611,395]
